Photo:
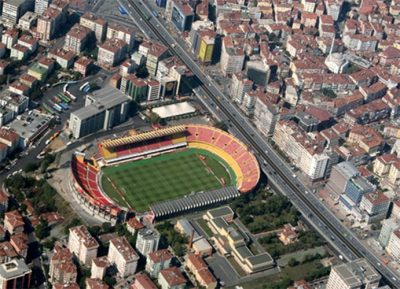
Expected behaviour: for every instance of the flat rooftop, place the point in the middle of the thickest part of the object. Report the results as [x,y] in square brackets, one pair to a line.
[27,125]
[101,100]
[173,110]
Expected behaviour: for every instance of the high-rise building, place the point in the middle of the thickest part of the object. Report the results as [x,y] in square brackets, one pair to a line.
[41,6]
[388,226]
[94,23]
[77,38]
[182,15]
[112,52]
[340,175]
[393,246]
[232,56]
[123,256]
[15,274]
[356,187]
[240,85]
[353,275]
[103,109]
[266,115]
[82,244]
[15,9]
[147,241]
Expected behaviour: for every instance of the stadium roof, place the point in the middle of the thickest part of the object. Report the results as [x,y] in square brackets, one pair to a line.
[172,110]
[143,136]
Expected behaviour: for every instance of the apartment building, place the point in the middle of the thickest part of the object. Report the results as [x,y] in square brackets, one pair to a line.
[62,269]
[82,244]
[97,24]
[123,256]
[157,261]
[147,241]
[15,9]
[77,38]
[112,52]
[232,57]
[41,6]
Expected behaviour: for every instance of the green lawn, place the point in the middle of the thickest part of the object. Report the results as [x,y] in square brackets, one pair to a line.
[168,176]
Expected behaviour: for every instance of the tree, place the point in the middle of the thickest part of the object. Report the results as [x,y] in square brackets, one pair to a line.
[221,125]
[74,222]
[106,227]
[154,118]
[142,72]
[42,230]
[30,167]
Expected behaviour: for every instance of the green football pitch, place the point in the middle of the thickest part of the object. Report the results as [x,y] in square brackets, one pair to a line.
[138,184]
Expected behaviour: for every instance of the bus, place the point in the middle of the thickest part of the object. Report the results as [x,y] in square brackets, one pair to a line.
[56,99]
[87,88]
[64,98]
[48,109]
[65,87]
[122,10]
[63,105]
[83,86]
[70,95]
[57,108]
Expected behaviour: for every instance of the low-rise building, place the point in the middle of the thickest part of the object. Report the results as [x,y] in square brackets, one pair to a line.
[201,272]
[14,222]
[19,241]
[62,269]
[355,274]
[15,274]
[171,278]
[157,261]
[83,65]
[142,281]
[95,284]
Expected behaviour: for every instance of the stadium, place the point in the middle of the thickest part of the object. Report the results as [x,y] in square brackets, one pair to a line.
[163,172]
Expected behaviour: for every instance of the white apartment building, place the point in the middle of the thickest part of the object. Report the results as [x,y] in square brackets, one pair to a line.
[333,8]
[41,6]
[153,91]
[393,246]
[147,241]
[232,58]
[121,32]
[111,52]
[123,256]
[239,86]
[15,9]
[82,244]
[96,24]
[266,116]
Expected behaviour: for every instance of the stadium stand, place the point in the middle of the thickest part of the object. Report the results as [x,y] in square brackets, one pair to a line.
[193,201]
[88,191]
[234,152]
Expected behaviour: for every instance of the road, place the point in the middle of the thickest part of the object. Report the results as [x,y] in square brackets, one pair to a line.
[279,174]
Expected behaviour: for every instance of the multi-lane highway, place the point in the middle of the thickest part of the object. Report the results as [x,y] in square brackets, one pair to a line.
[279,174]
